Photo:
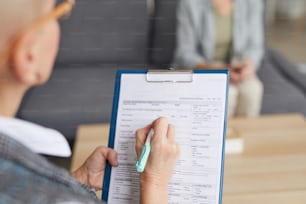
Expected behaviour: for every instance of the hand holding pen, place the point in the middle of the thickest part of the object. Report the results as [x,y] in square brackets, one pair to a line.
[145,152]
[161,160]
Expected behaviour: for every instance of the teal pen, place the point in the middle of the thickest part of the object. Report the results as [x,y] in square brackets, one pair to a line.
[144,155]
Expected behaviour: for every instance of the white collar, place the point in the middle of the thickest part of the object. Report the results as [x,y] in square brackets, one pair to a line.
[37,138]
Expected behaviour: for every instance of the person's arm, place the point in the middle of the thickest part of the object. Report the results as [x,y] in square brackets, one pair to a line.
[161,162]
[92,171]
[186,54]
[255,49]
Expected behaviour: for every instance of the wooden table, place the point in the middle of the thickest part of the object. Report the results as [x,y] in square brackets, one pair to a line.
[272,168]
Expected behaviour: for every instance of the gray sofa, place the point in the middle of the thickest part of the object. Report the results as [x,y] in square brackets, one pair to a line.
[103,36]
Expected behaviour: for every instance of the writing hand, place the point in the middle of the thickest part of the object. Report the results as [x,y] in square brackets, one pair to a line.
[161,162]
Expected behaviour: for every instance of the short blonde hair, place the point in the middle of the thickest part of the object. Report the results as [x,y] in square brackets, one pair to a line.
[15,15]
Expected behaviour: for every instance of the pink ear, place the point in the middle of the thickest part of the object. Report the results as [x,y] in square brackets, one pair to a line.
[22,60]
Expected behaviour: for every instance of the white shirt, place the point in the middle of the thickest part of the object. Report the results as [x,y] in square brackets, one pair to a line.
[37,138]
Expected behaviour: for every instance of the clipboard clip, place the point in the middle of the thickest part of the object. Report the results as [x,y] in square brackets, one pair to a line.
[170,76]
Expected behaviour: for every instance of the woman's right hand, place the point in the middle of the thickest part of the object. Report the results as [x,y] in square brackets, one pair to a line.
[161,162]
[242,72]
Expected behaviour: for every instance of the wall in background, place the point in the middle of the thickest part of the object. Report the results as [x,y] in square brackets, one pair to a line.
[286,28]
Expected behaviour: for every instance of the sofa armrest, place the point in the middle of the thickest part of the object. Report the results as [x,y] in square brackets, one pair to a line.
[287,69]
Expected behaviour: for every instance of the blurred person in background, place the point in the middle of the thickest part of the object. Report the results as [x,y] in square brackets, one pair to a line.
[219,34]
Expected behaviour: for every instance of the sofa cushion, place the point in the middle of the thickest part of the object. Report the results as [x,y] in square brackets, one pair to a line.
[280,94]
[105,31]
[74,95]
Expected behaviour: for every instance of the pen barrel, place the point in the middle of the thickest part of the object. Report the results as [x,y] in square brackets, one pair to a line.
[142,161]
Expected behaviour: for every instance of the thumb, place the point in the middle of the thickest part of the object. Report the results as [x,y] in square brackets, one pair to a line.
[112,157]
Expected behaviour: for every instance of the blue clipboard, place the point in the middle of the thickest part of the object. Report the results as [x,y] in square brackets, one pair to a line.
[188,74]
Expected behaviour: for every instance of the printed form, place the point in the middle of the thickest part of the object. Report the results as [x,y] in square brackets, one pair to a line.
[197,110]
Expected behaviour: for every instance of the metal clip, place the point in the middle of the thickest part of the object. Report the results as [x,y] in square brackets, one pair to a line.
[170,76]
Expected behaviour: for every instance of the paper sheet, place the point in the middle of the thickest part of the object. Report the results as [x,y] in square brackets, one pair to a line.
[197,110]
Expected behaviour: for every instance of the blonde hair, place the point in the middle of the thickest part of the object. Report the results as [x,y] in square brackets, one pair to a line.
[15,15]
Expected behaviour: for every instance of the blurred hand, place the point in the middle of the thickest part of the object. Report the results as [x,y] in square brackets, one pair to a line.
[213,66]
[242,72]
[235,74]
[91,173]
[164,152]
[248,70]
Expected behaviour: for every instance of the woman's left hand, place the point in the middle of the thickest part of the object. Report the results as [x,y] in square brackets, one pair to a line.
[91,173]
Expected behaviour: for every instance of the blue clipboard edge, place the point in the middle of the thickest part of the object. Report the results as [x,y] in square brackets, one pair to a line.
[108,169]
[224,137]
[112,131]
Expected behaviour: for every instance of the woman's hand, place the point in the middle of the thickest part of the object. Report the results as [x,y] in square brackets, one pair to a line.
[242,72]
[91,173]
[161,162]
[213,66]
[248,70]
